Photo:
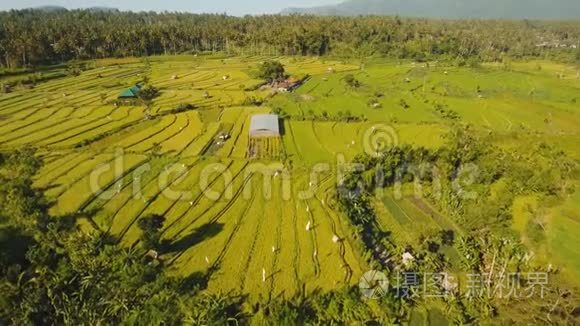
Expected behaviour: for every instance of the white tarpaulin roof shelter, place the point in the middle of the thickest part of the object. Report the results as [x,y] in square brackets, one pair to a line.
[265,125]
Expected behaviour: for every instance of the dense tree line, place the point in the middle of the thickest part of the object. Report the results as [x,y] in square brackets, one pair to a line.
[31,37]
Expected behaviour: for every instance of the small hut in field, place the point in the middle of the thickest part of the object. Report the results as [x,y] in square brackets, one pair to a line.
[131,93]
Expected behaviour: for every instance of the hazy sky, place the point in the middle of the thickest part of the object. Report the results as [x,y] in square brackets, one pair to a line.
[232,7]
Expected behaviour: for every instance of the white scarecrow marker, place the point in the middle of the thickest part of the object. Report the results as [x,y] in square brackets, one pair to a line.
[263,275]
[308,226]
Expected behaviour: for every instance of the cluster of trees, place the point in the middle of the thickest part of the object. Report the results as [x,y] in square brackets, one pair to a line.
[351,81]
[271,71]
[36,37]
[486,218]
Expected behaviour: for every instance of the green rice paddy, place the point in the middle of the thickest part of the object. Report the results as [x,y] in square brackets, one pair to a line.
[104,163]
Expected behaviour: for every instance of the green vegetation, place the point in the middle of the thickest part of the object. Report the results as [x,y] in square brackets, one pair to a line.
[271,71]
[30,37]
[118,214]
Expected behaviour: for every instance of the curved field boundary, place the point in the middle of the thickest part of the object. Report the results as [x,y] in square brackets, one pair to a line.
[296,257]
[122,205]
[341,245]
[78,100]
[84,131]
[59,123]
[56,112]
[331,211]
[81,189]
[227,244]
[298,150]
[157,133]
[217,216]
[58,166]
[66,171]
[111,184]
[199,198]
[335,231]
[88,80]
[189,143]
[194,202]
[100,136]
[181,130]
[201,136]
[243,270]
[228,204]
[148,136]
[237,138]
[91,134]
[182,81]
[333,128]
[318,140]
[79,178]
[8,99]
[314,238]
[20,105]
[151,200]
[108,186]
[28,116]
[277,255]
[49,158]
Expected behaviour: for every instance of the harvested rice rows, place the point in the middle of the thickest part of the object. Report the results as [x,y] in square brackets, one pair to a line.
[225,227]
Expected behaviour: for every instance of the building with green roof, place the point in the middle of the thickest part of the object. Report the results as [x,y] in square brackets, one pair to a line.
[130,93]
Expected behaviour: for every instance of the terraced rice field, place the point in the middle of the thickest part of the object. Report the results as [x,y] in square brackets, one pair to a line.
[263,228]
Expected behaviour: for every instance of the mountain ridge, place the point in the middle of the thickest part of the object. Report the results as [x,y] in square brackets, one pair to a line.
[454,9]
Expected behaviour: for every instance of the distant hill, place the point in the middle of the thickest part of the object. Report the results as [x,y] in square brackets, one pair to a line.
[509,9]
[50,8]
[102,9]
[62,9]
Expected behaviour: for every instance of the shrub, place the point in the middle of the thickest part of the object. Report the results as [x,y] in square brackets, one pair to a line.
[148,93]
[252,100]
[183,107]
[404,104]
[351,81]
[151,226]
[374,103]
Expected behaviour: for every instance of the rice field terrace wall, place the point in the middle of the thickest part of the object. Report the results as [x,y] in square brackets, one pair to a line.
[279,234]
